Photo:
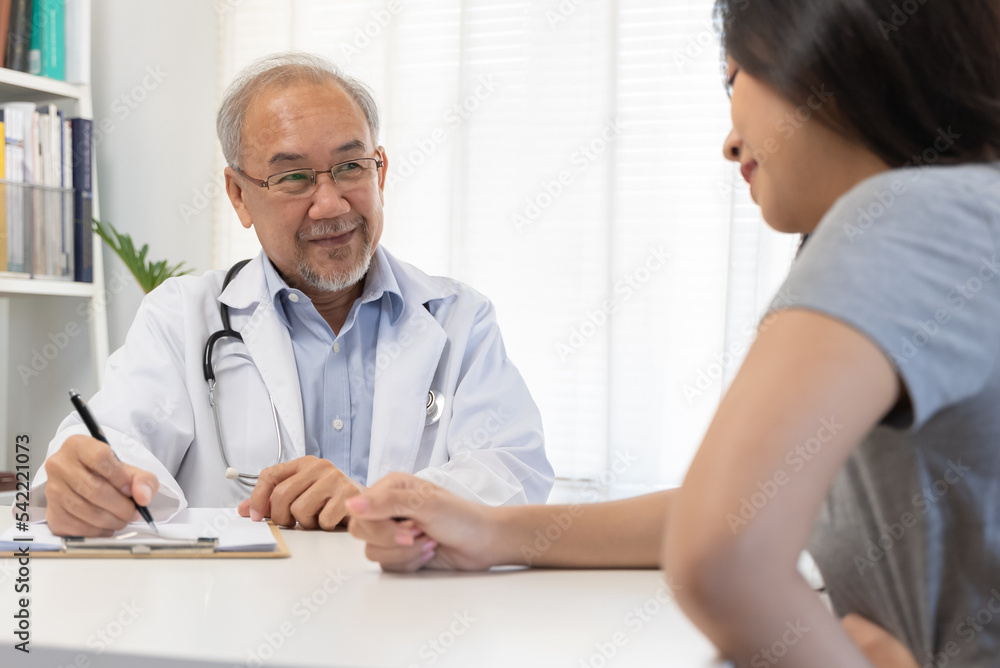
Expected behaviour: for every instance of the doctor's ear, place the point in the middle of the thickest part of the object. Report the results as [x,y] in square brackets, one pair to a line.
[385,168]
[234,188]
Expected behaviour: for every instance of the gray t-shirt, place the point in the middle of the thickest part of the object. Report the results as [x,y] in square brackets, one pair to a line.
[910,534]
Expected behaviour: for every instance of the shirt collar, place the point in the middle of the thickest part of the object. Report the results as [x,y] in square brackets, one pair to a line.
[380,283]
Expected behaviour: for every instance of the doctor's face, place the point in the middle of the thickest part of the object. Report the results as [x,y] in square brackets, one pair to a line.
[323,237]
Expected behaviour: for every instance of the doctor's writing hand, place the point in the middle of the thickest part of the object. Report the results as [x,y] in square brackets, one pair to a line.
[307,490]
[440,529]
[87,491]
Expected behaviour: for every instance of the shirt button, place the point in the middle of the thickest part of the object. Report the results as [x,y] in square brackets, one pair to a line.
[336,346]
[292,297]
[338,424]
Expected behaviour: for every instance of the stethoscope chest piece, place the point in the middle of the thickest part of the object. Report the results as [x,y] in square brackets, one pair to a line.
[435,407]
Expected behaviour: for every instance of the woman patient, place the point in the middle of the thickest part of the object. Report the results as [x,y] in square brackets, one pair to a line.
[868,408]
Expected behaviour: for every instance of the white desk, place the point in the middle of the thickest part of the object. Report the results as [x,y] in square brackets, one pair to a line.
[113,613]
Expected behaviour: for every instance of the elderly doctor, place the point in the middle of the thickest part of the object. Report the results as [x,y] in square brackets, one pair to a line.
[341,363]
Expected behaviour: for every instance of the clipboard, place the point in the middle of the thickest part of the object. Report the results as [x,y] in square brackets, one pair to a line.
[104,548]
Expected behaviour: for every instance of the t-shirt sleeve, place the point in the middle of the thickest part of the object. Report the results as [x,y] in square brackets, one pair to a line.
[909,260]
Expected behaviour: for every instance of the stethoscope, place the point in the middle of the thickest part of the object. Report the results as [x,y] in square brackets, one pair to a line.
[434,407]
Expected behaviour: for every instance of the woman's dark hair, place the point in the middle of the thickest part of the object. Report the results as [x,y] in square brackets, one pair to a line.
[903,74]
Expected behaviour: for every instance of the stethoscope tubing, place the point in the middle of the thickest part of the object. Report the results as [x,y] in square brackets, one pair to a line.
[434,407]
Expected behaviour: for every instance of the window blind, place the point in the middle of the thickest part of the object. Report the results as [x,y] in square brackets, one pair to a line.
[565,159]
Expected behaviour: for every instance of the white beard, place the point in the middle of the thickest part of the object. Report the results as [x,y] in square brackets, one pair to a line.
[338,281]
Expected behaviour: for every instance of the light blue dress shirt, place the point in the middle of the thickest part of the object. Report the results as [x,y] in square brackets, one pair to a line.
[336,372]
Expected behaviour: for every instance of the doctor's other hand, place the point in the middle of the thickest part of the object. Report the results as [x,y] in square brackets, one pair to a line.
[409,524]
[87,491]
[307,490]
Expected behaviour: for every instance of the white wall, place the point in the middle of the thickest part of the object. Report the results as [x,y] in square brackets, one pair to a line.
[154,90]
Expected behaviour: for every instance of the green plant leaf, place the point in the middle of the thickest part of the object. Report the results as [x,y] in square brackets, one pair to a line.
[148,274]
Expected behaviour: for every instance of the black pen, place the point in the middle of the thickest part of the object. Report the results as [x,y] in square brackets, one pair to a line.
[96,432]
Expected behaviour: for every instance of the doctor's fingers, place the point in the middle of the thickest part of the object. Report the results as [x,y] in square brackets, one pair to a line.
[403,559]
[100,459]
[76,483]
[321,506]
[302,496]
[69,514]
[333,513]
[272,486]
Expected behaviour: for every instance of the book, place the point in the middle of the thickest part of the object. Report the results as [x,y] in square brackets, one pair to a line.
[4,27]
[3,201]
[68,244]
[19,35]
[51,256]
[35,40]
[77,40]
[39,215]
[83,212]
[53,56]
[18,143]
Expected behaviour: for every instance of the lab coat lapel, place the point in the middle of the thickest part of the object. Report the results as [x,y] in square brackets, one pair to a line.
[408,354]
[269,344]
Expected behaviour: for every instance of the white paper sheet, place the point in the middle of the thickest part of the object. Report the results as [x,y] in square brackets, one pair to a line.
[235,533]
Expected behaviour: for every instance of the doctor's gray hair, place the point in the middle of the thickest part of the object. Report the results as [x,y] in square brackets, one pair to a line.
[283,69]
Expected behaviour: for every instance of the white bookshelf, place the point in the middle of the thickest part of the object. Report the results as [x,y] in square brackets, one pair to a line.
[37,315]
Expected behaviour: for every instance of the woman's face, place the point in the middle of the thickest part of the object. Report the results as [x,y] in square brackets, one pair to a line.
[796,165]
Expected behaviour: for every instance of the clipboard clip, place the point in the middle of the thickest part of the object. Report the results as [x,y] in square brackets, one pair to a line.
[79,545]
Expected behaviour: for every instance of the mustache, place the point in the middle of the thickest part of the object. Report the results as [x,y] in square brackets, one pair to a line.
[337,225]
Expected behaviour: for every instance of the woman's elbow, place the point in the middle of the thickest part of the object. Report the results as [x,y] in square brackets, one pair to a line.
[710,574]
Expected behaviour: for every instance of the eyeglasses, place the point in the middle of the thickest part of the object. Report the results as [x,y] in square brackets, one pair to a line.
[347,174]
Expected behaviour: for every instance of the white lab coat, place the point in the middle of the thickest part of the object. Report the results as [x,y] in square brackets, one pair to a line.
[155,411]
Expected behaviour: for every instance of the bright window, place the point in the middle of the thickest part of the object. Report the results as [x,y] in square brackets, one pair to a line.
[565,159]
